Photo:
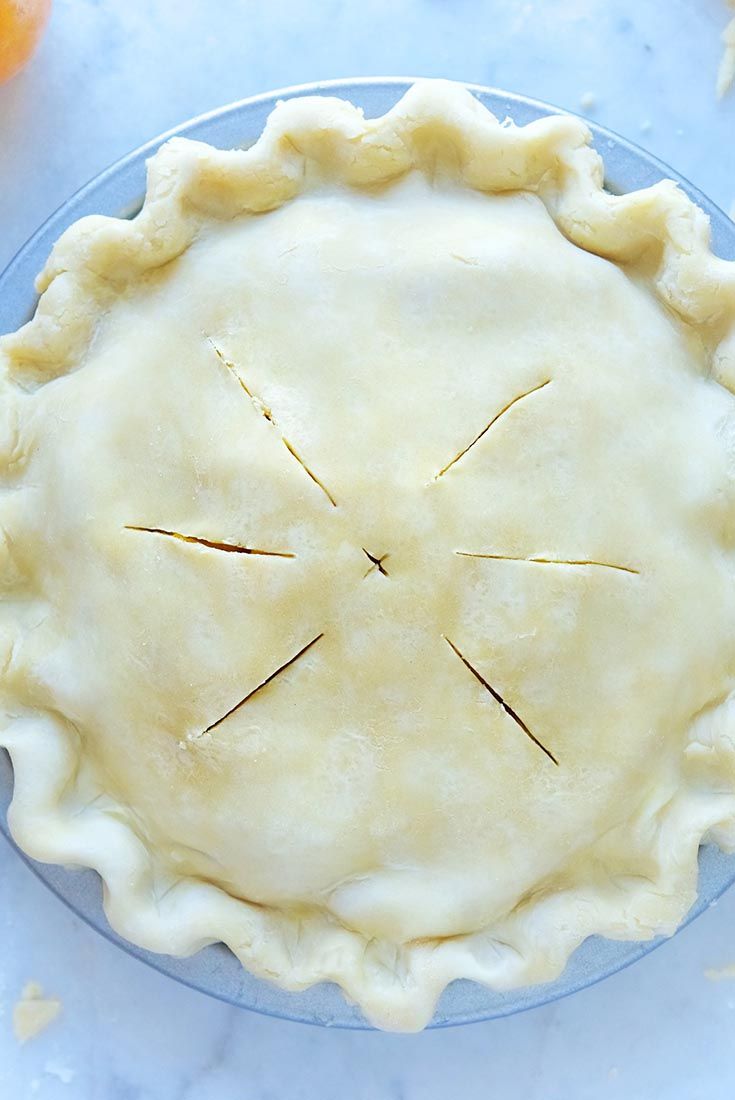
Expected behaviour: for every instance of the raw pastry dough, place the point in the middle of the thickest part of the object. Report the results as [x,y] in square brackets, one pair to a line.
[368,523]
[33,1012]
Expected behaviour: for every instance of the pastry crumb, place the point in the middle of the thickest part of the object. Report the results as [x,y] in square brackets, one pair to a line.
[588,101]
[33,1012]
[726,71]
[720,974]
[645,126]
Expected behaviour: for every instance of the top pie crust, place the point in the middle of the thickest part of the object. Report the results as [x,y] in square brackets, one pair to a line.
[472,702]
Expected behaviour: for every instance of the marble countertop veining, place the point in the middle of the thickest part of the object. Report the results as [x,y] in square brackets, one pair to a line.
[110,76]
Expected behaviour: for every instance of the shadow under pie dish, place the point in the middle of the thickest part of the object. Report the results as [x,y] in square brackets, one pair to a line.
[368,552]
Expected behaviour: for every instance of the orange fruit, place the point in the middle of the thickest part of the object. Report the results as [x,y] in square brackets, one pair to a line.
[21,26]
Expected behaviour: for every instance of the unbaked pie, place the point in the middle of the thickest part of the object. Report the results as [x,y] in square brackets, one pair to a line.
[368,552]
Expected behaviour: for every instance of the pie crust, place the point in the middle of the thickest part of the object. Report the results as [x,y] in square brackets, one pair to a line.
[368,529]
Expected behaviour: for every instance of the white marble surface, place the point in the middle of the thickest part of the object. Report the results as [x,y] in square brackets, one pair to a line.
[111,75]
